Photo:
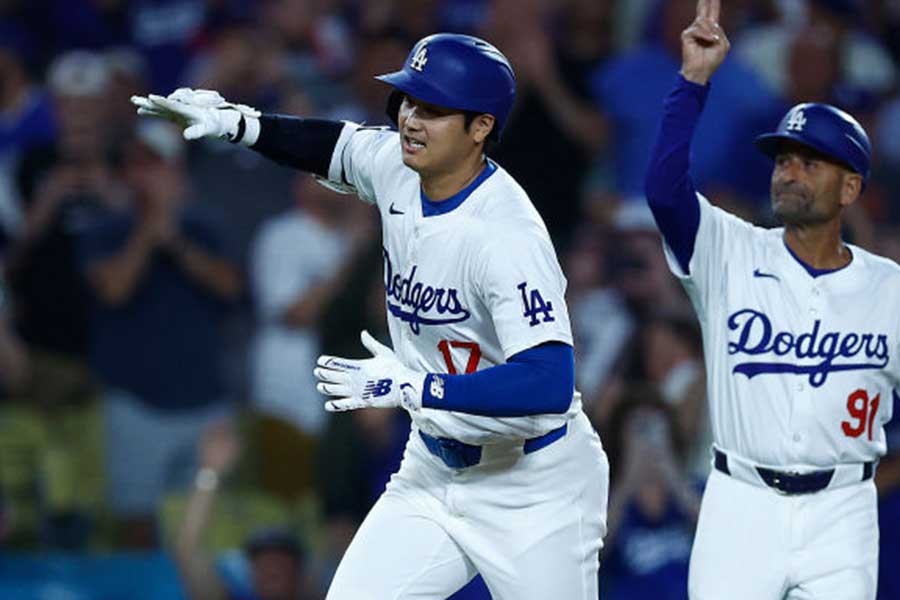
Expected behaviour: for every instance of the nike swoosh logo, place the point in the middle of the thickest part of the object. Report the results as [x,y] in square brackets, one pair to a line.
[758,273]
[394,211]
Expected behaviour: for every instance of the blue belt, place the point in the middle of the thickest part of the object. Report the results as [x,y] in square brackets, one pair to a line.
[791,483]
[458,455]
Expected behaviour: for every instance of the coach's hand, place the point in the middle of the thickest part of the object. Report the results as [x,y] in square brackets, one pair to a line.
[704,44]
[380,382]
[202,113]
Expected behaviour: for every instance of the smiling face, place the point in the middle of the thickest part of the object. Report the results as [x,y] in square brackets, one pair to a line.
[437,140]
[809,188]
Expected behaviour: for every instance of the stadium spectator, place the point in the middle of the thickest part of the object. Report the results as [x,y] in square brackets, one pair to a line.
[366,97]
[64,186]
[638,270]
[865,69]
[652,508]
[161,286]
[672,351]
[274,559]
[26,121]
[599,342]
[554,109]
[300,262]
[127,76]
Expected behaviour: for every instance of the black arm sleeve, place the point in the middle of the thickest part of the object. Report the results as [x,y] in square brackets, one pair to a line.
[305,144]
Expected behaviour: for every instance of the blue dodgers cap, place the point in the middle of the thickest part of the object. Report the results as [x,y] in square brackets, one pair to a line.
[826,129]
[459,72]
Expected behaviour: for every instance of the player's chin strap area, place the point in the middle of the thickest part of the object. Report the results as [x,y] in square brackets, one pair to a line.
[792,483]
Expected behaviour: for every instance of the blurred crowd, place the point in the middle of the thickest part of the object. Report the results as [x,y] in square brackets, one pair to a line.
[163,304]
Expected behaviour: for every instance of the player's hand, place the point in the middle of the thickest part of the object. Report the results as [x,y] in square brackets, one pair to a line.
[201,113]
[378,382]
[704,44]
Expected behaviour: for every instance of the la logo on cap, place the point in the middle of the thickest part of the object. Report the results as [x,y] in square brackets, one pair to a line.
[419,60]
[796,121]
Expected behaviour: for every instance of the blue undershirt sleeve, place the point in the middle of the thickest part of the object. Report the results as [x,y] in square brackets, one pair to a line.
[301,143]
[536,381]
[668,186]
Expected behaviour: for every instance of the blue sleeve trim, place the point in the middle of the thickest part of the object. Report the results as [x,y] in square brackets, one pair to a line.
[536,381]
[668,186]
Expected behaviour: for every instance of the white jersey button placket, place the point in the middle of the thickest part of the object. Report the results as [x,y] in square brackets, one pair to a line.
[815,301]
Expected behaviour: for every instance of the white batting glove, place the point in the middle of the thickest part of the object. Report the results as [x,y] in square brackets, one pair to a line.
[379,382]
[202,113]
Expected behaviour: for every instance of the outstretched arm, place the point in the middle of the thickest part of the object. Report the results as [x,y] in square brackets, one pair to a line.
[301,143]
[668,186]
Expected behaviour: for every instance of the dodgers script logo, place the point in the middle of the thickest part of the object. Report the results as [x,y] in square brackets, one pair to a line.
[814,353]
[414,300]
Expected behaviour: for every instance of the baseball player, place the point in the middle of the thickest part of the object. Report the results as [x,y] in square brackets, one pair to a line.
[801,335]
[502,475]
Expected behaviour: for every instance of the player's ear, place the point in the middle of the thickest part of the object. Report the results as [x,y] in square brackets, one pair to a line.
[851,188]
[481,127]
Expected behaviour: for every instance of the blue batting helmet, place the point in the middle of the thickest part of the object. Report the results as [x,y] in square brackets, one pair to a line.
[824,128]
[456,71]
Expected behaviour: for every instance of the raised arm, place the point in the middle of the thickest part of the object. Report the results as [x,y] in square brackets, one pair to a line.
[219,451]
[668,186]
[301,143]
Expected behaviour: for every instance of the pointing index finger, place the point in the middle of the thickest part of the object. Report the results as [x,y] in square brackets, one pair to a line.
[702,9]
[713,9]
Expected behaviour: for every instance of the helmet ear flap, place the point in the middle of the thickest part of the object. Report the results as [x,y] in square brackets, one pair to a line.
[393,105]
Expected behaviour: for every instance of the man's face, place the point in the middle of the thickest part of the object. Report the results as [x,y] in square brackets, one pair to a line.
[434,139]
[807,187]
[276,575]
[157,181]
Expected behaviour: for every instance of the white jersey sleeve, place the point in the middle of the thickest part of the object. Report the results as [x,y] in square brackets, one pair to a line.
[719,235]
[363,159]
[524,289]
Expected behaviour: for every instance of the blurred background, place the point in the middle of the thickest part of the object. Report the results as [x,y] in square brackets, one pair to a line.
[162,304]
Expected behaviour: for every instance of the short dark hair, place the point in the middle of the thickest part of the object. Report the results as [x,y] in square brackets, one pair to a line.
[274,539]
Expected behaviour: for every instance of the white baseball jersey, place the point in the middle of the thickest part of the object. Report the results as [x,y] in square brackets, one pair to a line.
[800,369]
[466,289]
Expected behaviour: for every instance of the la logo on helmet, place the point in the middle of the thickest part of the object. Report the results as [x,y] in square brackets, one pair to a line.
[797,121]
[419,60]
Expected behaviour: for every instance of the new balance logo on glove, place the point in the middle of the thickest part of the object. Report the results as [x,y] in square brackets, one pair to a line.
[376,389]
